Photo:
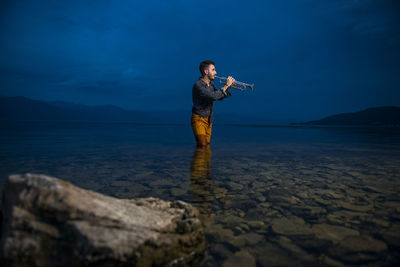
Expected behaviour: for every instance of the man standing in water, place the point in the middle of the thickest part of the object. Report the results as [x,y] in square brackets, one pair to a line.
[204,93]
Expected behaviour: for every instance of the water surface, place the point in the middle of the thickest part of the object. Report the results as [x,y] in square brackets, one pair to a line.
[268,196]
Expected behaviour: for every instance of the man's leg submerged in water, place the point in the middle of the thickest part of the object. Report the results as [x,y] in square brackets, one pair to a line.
[202,130]
[201,141]
[204,140]
[208,133]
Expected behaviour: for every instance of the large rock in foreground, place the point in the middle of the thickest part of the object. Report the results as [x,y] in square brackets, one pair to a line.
[50,222]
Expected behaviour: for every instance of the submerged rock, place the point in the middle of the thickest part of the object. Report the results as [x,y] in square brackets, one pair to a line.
[392,236]
[333,233]
[50,222]
[218,233]
[220,251]
[240,259]
[271,255]
[356,207]
[288,245]
[362,244]
[291,226]
[359,249]
[249,239]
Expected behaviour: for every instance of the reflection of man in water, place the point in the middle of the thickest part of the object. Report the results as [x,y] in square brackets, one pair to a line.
[204,93]
[201,192]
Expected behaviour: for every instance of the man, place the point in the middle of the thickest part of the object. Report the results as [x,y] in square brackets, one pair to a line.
[204,93]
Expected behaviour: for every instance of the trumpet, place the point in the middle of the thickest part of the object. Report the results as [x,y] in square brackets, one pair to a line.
[237,85]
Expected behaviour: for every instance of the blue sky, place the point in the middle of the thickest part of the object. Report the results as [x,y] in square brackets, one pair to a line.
[307,58]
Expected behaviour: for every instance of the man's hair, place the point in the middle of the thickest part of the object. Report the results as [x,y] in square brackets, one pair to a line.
[204,65]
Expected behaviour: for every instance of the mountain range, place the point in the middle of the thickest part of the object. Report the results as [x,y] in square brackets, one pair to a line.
[19,108]
[378,116]
[26,109]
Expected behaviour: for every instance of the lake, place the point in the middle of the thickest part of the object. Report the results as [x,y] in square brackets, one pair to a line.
[268,195]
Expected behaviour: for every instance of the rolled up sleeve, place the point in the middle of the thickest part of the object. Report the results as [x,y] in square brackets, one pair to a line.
[226,94]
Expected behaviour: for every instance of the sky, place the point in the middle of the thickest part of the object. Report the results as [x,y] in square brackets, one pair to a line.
[307,58]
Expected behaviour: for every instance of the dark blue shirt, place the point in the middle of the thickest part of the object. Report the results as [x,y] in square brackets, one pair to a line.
[204,96]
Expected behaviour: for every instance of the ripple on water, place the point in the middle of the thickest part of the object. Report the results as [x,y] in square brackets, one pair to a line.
[261,204]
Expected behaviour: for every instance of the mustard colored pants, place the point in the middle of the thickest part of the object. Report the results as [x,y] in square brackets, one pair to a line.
[200,126]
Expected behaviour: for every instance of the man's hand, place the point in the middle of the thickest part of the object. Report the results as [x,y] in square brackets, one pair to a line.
[229,82]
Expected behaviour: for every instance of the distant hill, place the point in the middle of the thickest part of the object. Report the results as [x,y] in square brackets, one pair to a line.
[21,108]
[379,116]
[25,109]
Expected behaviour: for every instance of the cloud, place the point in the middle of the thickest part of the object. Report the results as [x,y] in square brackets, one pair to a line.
[119,50]
[378,19]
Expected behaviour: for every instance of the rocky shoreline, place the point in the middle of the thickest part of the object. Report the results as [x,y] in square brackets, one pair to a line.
[289,206]
[49,222]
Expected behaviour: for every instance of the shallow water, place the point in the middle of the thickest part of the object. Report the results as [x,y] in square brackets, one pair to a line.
[268,196]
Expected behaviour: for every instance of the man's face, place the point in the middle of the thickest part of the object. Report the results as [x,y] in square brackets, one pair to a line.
[210,72]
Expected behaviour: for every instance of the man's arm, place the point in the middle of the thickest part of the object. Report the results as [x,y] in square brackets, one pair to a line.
[229,82]
[225,92]
[206,93]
